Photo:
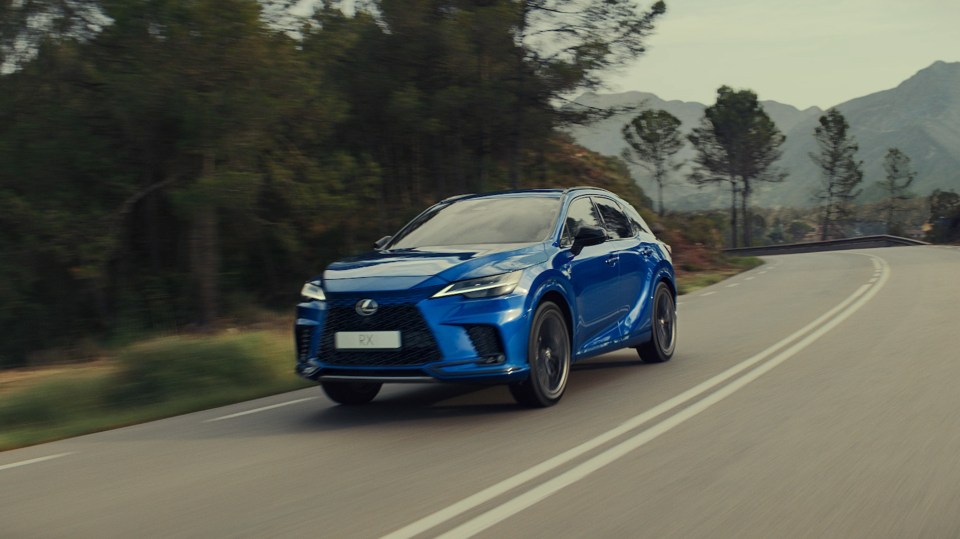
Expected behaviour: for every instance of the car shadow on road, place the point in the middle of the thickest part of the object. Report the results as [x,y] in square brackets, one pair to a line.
[416,403]
[398,404]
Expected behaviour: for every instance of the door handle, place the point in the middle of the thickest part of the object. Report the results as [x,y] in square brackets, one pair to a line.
[646,251]
[612,259]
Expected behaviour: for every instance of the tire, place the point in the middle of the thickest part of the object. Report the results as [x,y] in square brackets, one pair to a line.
[351,393]
[663,330]
[548,354]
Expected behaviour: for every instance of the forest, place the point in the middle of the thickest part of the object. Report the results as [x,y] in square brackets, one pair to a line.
[169,164]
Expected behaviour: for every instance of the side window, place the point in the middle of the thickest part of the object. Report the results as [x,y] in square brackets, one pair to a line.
[614,219]
[638,223]
[580,212]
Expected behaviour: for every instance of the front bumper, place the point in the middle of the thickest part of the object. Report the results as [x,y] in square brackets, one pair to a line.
[449,339]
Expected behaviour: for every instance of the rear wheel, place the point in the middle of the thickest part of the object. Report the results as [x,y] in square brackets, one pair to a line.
[663,339]
[548,353]
[351,392]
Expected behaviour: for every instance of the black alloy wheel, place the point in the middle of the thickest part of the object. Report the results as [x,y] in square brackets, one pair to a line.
[351,393]
[663,340]
[548,353]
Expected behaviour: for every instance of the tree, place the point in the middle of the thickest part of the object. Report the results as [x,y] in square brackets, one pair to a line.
[840,171]
[26,25]
[737,143]
[944,216]
[798,230]
[654,138]
[899,177]
[563,46]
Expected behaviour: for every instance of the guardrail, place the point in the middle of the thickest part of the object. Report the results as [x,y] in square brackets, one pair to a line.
[863,242]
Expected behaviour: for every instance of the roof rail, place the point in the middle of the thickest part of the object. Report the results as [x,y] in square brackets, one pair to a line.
[576,187]
[457,197]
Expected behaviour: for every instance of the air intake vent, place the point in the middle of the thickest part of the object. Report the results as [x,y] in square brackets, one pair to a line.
[304,336]
[486,340]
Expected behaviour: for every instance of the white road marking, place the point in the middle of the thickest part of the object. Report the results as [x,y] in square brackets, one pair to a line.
[257,410]
[519,503]
[731,285]
[33,461]
[762,272]
[709,293]
[748,279]
[480,523]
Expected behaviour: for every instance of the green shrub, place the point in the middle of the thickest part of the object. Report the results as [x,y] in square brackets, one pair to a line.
[50,403]
[177,367]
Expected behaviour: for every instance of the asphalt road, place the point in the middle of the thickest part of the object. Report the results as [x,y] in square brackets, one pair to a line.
[815,396]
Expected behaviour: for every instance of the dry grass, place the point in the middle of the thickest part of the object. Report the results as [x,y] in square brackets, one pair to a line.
[15,379]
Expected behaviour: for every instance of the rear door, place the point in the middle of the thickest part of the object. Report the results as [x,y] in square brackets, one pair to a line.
[625,244]
[650,255]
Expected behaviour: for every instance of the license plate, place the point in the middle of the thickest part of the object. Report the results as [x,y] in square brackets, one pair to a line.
[367,340]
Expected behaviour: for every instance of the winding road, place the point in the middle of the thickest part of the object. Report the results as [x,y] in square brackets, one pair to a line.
[815,396]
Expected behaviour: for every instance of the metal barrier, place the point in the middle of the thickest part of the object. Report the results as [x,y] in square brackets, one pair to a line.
[863,242]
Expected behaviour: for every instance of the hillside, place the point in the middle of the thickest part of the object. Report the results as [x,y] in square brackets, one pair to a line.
[921,116]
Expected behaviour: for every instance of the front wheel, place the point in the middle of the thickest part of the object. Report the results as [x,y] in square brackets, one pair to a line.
[663,338]
[351,393]
[548,354]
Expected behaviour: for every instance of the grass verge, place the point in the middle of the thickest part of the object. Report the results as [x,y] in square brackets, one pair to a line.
[150,380]
[688,282]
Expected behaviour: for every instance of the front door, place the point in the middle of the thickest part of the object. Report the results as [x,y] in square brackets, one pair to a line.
[594,275]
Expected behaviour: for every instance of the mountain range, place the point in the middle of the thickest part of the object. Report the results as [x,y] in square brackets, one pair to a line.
[921,117]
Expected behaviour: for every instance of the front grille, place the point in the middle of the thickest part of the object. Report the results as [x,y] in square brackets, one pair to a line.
[303,336]
[418,346]
[485,340]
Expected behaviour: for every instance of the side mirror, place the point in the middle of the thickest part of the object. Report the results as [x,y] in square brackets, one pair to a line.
[657,229]
[381,242]
[586,236]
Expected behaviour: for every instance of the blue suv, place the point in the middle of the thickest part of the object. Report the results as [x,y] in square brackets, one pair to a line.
[507,287]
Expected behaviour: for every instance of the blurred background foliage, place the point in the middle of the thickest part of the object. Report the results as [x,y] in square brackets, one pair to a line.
[166,165]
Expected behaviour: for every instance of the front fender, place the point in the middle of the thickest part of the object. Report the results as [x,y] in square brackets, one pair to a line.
[553,283]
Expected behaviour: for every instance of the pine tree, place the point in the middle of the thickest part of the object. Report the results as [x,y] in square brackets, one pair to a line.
[840,172]
[737,143]
[899,177]
[654,138]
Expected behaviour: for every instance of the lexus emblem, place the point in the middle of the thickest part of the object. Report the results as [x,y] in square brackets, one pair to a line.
[366,307]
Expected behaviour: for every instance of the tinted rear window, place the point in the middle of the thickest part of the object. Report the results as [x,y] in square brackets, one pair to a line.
[482,220]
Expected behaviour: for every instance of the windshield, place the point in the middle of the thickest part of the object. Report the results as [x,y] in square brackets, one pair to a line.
[504,219]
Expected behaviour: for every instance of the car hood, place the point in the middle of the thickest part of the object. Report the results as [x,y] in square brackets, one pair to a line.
[405,268]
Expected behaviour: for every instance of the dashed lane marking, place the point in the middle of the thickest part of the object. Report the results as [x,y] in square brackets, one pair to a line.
[258,410]
[33,461]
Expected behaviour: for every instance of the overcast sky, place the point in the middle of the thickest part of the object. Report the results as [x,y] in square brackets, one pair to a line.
[801,52]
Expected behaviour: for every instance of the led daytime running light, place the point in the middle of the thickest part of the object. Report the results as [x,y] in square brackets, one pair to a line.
[494,285]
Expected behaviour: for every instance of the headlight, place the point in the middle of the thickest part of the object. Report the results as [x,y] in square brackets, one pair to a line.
[484,287]
[313,291]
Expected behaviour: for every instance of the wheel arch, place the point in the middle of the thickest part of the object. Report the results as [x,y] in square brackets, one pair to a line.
[560,301]
[663,278]
[664,273]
